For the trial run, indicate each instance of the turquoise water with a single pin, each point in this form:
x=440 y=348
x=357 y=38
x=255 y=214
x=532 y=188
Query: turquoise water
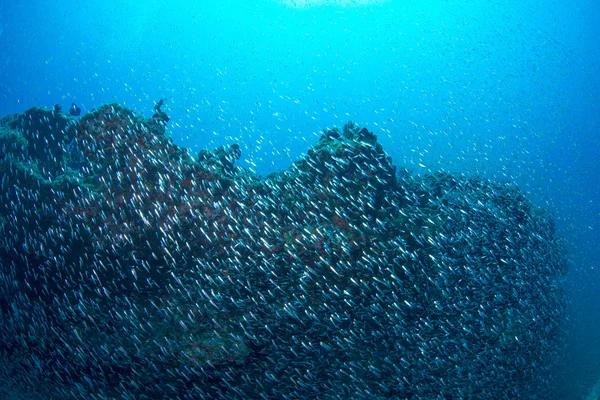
x=507 y=90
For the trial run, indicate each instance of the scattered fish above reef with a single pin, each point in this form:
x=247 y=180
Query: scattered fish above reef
x=129 y=269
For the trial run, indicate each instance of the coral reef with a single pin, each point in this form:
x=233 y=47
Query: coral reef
x=129 y=269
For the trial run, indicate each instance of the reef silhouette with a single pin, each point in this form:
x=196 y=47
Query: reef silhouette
x=130 y=269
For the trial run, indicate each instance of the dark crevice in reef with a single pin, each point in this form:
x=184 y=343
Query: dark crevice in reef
x=131 y=269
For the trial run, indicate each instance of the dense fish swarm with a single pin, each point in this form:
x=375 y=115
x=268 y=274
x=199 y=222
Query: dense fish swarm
x=131 y=270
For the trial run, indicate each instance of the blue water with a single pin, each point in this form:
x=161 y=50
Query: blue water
x=505 y=89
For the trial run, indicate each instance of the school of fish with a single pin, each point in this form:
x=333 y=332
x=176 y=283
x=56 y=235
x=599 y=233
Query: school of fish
x=131 y=270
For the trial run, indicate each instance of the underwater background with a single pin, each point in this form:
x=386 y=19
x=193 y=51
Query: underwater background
x=508 y=90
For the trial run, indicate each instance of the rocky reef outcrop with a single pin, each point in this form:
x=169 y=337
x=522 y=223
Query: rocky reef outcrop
x=131 y=269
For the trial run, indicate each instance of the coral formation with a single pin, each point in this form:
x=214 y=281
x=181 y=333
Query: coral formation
x=132 y=270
